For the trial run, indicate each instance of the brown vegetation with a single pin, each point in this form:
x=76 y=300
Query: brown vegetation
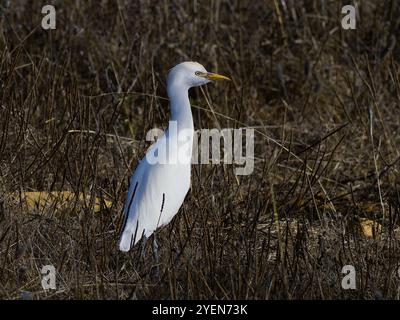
x=325 y=189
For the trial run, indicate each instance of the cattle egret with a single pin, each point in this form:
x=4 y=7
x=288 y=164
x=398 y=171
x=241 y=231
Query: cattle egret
x=158 y=188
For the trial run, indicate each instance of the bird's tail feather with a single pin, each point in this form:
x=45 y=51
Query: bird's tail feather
x=127 y=240
x=129 y=236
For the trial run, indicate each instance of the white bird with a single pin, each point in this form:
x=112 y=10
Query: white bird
x=158 y=188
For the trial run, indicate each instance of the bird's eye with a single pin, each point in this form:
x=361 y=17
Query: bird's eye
x=198 y=73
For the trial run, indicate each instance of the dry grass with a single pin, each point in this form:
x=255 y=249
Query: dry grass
x=325 y=103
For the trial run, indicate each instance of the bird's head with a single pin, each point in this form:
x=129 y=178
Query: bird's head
x=192 y=74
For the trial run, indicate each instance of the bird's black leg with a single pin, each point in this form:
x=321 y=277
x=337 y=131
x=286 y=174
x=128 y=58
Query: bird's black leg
x=155 y=245
x=155 y=254
x=143 y=247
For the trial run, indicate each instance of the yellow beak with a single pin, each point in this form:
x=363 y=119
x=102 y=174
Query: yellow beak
x=215 y=76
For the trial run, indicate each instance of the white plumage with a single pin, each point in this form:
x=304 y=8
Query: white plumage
x=158 y=189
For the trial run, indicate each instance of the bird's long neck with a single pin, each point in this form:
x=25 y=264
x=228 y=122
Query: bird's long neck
x=180 y=106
